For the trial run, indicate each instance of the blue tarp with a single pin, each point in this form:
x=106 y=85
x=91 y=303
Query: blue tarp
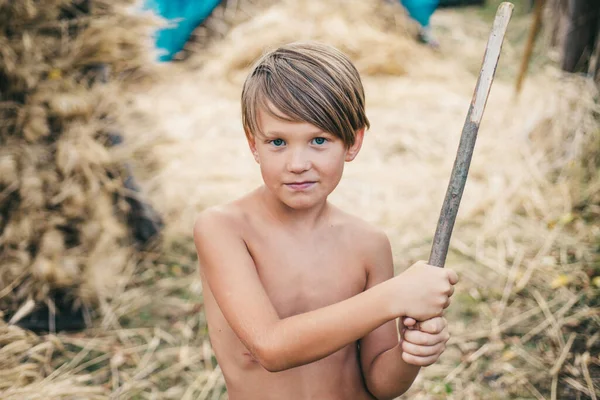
x=420 y=10
x=183 y=16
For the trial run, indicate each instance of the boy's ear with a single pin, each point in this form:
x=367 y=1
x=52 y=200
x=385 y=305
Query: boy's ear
x=252 y=144
x=353 y=150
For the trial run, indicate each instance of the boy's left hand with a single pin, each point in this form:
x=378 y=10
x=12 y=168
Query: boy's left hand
x=423 y=342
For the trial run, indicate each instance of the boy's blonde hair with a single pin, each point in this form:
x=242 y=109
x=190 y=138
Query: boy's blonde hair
x=307 y=82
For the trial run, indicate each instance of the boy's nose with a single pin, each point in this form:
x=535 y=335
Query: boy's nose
x=298 y=162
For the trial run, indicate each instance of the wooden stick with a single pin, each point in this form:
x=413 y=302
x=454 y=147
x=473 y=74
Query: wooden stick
x=533 y=32
x=460 y=170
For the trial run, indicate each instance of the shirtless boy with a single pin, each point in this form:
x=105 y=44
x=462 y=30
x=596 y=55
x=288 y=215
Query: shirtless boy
x=300 y=297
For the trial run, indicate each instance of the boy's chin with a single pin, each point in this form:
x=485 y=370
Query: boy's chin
x=303 y=203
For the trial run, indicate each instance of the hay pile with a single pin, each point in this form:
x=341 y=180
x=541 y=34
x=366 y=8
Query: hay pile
x=59 y=225
x=375 y=34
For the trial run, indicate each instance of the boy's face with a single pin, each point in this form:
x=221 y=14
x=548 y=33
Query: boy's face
x=300 y=164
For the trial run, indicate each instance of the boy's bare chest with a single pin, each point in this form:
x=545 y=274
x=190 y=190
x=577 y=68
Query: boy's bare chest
x=305 y=273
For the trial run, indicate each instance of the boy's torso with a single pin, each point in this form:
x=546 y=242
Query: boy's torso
x=300 y=273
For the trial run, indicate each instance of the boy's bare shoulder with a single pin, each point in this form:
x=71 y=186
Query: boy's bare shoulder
x=230 y=216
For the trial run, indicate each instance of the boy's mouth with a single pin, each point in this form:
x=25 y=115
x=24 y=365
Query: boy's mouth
x=300 y=185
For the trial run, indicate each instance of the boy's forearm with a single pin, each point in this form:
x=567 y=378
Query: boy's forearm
x=313 y=335
x=389 y=375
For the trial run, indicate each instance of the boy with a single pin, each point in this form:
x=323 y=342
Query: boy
x=300 y=297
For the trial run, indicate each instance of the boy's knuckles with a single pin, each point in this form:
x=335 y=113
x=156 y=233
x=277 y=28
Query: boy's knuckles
x=442 y=300
x=452 y=276
x=432 y=326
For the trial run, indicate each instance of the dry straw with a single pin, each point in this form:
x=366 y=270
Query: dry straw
x=525 y=318
x=60 y=227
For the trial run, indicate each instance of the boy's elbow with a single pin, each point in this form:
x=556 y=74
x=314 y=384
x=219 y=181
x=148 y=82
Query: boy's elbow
x=380 y=395
x=271 y=357
x=387 y=396
x=271 y=365
x=383 y=390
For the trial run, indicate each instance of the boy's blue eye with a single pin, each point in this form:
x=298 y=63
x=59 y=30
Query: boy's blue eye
x=278 y=142
x=319 y=140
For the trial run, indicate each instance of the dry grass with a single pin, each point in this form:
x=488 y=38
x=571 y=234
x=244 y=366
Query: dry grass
x=526 y=314
x=59 y=225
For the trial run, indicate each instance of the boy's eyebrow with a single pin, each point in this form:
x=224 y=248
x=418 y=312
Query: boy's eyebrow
x=277 y=133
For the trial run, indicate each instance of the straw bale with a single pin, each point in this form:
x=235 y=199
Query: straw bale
x=58 y=176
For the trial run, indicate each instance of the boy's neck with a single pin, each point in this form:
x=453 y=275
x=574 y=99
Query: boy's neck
x=304 y=219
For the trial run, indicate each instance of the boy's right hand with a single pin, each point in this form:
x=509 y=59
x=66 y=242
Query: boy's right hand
x=424 y=290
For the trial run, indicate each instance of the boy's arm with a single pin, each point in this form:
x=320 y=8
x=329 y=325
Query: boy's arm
x=279 y=344
x=386 y=374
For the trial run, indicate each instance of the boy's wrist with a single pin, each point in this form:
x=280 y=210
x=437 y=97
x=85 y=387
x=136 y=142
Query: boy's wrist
x=393 y=307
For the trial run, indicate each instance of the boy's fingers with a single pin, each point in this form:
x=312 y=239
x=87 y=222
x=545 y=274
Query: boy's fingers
x=409 y=321
x=452 y=277
x=423 y=351
x=433 y=325
x=425 y=339
x=419 y=361
x=447 y=303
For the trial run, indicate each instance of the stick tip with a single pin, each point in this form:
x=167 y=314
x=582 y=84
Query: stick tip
x=505 y=10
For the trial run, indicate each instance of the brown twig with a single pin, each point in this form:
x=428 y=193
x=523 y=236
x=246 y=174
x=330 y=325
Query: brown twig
x=533 y=32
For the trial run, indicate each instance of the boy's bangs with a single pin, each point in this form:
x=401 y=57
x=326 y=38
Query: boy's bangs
x=296 y=101
x=282 y=105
